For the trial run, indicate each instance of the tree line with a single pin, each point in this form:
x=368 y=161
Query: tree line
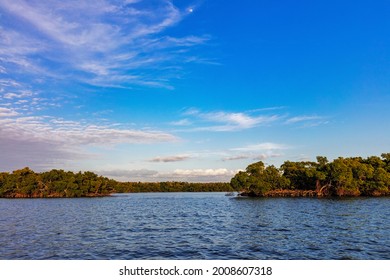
x=172 y=186
x=353 y=176
x=25 y=183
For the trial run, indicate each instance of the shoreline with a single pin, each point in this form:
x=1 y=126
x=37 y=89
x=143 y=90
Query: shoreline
x=307 y=193
x=280 y=193
x=23 y=196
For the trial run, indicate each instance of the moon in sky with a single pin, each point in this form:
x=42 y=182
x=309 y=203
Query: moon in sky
x=190 y=10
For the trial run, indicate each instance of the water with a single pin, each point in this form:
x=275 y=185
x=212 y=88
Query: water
x=194 y=226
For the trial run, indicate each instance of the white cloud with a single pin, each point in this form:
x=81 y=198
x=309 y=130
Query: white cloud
x=9 y=83
x=260 y=151
x=308 y=121
x=104 y=42
x=202 y=172
x=302 y=119
x=45 y=141
x=267 y=156
x=129 y=174
x=227 y=121
x=202 y=175
x=267 y=146
x=22 y=94
x=183 y=122
x=170 y=158
x=73 y=133
x=5 y=112
x=252 y=156
x=240 y=120
x=18 y=153
x=185 y=175
x=237 y=157
x=220 y=121
x=277 y=108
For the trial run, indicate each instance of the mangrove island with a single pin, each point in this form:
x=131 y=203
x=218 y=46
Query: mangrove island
x=354 y=176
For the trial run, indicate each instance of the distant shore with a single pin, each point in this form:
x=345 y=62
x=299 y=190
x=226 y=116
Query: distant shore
x=25 y=183
x=33 y=196
x=271 y=194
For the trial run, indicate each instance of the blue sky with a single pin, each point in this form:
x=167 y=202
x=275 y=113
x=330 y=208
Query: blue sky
x=191 y=90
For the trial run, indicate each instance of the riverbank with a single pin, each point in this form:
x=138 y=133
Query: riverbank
x=310 y=193
x=52 y=195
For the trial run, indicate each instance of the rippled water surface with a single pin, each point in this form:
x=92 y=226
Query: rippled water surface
x=194 y=226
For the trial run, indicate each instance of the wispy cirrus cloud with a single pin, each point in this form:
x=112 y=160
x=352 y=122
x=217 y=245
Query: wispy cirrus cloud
x=260 y=151
x=99 y=42
x=307 y=120
x=182 y=122
x=49 y=47
x=194 y=119
x=266 y=146
x=221 y=121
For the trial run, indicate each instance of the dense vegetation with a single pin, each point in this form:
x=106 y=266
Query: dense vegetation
x=353 y=176
x=25 y=183
x=54 y=183
x=172 y=187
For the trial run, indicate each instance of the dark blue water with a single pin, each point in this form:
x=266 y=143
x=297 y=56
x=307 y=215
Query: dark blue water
x=194 y=226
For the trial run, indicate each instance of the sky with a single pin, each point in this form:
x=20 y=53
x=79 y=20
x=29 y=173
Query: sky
x=157 y=90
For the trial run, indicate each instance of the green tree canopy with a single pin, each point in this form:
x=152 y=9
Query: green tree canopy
x=342 y=177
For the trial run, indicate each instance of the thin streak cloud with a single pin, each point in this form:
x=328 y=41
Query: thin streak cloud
x=221 y=121
x=262 y=147
x=298 y=119
x=171 y=158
